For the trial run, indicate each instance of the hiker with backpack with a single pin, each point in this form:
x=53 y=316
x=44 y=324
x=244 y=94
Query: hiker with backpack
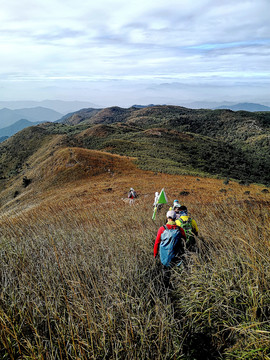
x=131 y=195
x=190 y=227
x=169 y=244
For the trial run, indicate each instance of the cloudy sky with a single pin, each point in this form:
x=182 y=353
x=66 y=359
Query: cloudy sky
x=119 y=52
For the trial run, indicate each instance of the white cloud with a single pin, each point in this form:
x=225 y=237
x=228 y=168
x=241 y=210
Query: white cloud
x=90 y=44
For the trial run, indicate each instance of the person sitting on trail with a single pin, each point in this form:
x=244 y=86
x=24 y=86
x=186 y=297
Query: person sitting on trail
x=169 y=244
x=190 y=227
x=132 y=195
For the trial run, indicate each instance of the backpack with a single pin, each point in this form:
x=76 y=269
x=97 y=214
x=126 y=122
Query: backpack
x=131 y=194
x=187 y=226
x=171 y=246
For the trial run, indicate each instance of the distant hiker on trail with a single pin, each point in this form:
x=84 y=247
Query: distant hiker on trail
x=175 y=203
x=176 y=208
x=132 y=195
x=170 y=245
x=190 y=227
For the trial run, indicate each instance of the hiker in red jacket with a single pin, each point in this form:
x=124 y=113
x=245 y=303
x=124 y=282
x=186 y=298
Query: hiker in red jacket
x=171 y=215
x=170 y=245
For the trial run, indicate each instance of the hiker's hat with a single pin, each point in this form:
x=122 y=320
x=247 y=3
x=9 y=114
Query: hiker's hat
x=176 y=201
x=131 y=189
x=171 y=214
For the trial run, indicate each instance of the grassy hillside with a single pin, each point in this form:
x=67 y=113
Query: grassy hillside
x=15 y=151
x=167 y=139
x=78 y=277
x=234 y=144
x=225 y=124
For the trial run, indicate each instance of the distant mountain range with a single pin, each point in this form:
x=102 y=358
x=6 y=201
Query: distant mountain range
x=14 y=128
x=36 y=114
x=246 y=107
x=12 y=121
x=60 y=106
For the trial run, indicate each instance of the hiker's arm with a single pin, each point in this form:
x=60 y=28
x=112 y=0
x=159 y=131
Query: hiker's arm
x=157 y=242
x=183 y=233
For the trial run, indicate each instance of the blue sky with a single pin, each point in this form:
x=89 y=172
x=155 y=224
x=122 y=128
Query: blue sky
x=125 y=52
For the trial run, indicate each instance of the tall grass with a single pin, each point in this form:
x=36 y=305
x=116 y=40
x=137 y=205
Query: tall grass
x=81 y=283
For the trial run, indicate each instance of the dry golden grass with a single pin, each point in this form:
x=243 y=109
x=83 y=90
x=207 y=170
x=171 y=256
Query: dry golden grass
x=78 y=278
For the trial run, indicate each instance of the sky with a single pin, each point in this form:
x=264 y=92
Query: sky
x=119 y=52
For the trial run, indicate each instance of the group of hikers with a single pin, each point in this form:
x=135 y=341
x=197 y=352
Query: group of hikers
x=175 y=239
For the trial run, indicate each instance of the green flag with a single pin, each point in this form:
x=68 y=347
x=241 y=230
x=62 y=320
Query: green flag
x=160 y=198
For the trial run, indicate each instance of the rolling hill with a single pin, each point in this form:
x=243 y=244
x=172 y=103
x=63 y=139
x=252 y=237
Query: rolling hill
x=162 y=139
x=221 y=139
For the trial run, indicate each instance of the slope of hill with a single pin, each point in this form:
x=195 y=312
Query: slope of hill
x=220 y=124
x=228 y=137
x=16 y=150
x=76 y=117
x=98 y=116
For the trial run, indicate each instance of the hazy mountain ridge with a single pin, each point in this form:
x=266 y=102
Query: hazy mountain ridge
x=60 y=106
x=15 y=127
x=246 y=107
x=37 y=114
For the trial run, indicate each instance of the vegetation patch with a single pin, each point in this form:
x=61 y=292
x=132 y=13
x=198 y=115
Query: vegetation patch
x=75 y=284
